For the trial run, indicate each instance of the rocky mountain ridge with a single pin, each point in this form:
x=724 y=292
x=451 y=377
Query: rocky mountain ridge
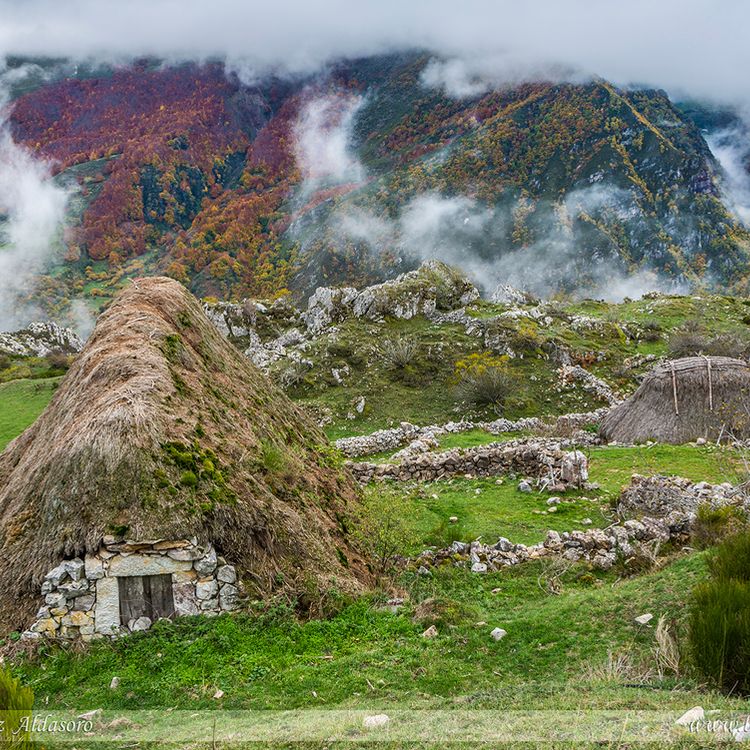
x=185 y=170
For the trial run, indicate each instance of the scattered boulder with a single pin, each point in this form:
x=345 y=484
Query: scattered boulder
x=378 y=720
x=498 y=634
x=692 y=715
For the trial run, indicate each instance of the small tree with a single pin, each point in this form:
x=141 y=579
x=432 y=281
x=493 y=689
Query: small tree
x=382 y=532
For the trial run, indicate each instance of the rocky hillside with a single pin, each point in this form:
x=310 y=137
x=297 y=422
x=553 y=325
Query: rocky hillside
x=236 y=190
x=403 y=350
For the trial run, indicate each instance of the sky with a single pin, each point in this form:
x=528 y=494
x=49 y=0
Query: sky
x=689 y=47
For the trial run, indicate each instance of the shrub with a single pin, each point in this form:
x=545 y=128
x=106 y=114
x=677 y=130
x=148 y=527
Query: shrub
x=484 y=380
x=16 y=703
x=711 y=525
x=728 y=345
x=687 y=344
x=398 y=353
x=720 y=633
x=651 y=331
x=58 y=361
x=4 y=362
x=293 y=374
x=526 y=338
x=691 y=339
x=382 y=534
x=730 y=561
x=720 y=617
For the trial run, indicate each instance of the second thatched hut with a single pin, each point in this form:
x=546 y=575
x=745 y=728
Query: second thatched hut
x=683 y=400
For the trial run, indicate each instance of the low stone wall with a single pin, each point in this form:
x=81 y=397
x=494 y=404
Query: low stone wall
x=544 y=460
x=599 y=547
x=395 y=437
x=82 y=598
x=671 y=504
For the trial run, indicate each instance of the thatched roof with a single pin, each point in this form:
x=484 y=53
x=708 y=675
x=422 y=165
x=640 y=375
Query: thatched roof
x=163 y=430
x=685 y=399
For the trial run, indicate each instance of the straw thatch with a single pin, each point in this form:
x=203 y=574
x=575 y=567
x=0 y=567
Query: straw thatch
x=163 y=430
x=683 y=400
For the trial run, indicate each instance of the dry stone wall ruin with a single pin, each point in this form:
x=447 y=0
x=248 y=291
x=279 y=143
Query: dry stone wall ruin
x=543 y=460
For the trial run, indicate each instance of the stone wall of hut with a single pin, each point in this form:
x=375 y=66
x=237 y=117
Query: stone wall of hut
x=81 y=597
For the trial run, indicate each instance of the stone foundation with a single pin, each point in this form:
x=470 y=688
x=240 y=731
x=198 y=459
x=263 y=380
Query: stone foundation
x=660 y=495
x=82 y=597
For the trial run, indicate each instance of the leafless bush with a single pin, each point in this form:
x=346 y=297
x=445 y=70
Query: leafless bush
x=58 y=360
x=666 y=650
x=293 y=374
x=553 y=570
x=691 y=339
x=645 y=557
x=728 y=345
x=687 y=344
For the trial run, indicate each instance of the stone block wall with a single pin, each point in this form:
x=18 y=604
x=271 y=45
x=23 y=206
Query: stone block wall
x=81 y=598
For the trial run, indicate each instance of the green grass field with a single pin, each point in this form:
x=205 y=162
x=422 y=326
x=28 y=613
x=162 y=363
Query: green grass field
x=21 y=402
x=576 y=650
x=557 y=649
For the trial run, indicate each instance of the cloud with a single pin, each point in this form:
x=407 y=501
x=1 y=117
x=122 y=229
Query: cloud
x=731 y=147
x=471 y=75
x=322 y=142
x=33 y=207
x=696 y=46
x=474 y=237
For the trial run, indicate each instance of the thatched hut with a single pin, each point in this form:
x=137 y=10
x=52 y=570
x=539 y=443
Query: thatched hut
x=684 y=400
x=166 y=474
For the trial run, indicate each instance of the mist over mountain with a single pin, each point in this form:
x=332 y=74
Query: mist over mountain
x=246 y=157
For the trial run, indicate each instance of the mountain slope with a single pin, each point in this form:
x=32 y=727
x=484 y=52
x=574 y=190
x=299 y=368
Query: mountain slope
x=188 y=171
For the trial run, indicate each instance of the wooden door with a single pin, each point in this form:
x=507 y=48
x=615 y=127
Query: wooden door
x=145 y=596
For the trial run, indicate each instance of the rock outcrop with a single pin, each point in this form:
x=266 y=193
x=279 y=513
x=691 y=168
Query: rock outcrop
x=433 y=286
x=40 y=339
